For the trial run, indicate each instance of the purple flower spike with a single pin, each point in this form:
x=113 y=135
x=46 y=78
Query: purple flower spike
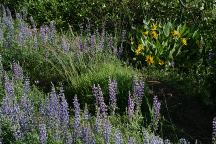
x=86 y=135
x=214 y=130
x=131 y=140
x=156 y=112
x=138 y=89
x=52 y=31
x=54 y=104
x=98 y=122
x=130 y=107
x=93 y=40
x=107 y=129
x=76 y=117
x=26 y=86
x=118 y=137
x=103 y=107
x=97 y=92
x=112 y=94
x=43 y=34
x=42 y=134
x=64 y=115
x=65 y=45
x=18 y=71
x=8 y=86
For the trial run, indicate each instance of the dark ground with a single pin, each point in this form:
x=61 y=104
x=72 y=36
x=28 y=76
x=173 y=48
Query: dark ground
x=185 y=115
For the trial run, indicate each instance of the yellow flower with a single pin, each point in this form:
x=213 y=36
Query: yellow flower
x=139 y=49
x=175 y=33
x=149 y=59
x=154 y=34
x=161 y=62
x=145 y=33
x=154 y=27
x=184 y=41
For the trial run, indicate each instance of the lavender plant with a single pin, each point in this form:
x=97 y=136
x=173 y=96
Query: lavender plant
x=112 y=95
x=156 y=112
x=214 y=130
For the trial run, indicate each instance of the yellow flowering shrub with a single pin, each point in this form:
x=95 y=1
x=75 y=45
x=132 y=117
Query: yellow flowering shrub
x=163 y=43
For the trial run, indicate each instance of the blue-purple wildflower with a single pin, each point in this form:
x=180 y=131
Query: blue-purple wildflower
x=69 y=139
x=8 y=86
x=112 y=95
x=43 y=34
x=214 y=130
x=102 y=105
x=138 y=89
x=42 y=134
x=118 y=137
x=130 y=107
x=18 y=71
x=131 y=140
x=107 y=130
x=156 y=112
x=86 y=135
x=64 y=115
x=76 y=117
x=93 y=41
x=65 y=45
x=97 y=121
x=51 y=32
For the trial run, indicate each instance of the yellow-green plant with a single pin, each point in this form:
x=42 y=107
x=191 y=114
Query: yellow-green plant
x=161 y=44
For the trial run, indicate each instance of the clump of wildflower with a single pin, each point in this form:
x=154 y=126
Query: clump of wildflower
x=52 y=31
x=27 y=107
x=93 y=40
x=53 y=110
x=112 y=94
x=43 y=34
x=76 y=117
x=154 y=27
x=65 y=45
x=64 y=115
x=18 y=71
x=8 y=86
x=156 y=112
x=214 y=130
x=154 y=34
x=97 y=92
x=130 y=106
x=176 y=34
x=42 y=134
x=107 y=129
x=184 y=41
x=118 y=137
x=139 y=49
x=138 y=90
x=149 y=59
x=86 y=134
x=97 y=121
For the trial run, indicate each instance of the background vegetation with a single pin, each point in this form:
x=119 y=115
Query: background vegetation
x=168 y=45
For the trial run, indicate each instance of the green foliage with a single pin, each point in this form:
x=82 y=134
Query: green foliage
x=163 y=44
